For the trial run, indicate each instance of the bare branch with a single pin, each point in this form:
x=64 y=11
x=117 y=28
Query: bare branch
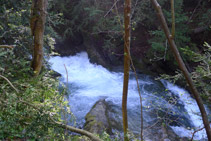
x=76 y=130
x=195 y=9
x=7 y=46
x=9 y=83
x=59 y=124
x=111 y=8
x=196 y=132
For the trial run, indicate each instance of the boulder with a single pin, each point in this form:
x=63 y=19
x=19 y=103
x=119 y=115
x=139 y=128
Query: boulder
x=160 y=132
x=105 y=116
x=96 y=119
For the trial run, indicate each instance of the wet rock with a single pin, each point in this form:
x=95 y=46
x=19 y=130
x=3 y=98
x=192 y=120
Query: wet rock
x=96 y=119
x=71 y=45
x=160 y=132
x=93 y=45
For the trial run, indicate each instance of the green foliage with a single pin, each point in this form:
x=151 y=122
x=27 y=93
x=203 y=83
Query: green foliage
x=160 y=47
x=201 y=74
x=15 y=28
x=18 y=117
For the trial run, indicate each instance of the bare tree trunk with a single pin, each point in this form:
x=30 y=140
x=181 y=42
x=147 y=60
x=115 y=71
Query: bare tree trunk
x=183 y=68
x=37 y=24
x=127 y=17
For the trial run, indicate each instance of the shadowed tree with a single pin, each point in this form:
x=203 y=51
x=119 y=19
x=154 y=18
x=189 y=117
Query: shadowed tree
x=183 y=67
x=37 y=24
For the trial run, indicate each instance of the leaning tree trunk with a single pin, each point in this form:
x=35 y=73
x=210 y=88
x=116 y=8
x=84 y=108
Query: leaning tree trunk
x=127 y=17
x=183 y=68
x=37 y=24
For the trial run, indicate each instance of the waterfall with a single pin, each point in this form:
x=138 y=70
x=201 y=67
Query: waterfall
x=90 y=82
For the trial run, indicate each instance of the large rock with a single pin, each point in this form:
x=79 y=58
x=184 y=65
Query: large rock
x=96 y=119
x=105 y=116
x=160 y=132
x=95 y=51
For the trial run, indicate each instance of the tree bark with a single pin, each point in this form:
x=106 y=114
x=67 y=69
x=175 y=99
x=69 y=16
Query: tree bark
x=127 y=18
x=183 y=68
x=37 y=24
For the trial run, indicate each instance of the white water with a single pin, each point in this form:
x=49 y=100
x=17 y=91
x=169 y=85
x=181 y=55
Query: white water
x=89 y=83
x=193 y=111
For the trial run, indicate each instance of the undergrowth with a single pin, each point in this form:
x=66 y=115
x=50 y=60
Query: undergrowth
x=27 y=112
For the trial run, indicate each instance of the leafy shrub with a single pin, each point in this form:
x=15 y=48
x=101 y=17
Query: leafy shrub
x=28 y=112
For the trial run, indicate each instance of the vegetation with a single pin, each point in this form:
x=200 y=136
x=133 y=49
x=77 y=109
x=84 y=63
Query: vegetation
x=183 y=67
x=19 y=119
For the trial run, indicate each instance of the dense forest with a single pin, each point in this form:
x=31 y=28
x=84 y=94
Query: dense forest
x=153 y=47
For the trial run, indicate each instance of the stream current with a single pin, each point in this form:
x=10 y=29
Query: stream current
x=87 y=83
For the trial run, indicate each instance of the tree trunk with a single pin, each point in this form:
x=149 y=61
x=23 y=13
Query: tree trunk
x=127 y=17
x=183 y=68
x=37 y=24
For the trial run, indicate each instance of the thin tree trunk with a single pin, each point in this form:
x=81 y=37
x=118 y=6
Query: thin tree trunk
x=127 y=17
x=173 y=19
x=183 y=68
x=37 y=24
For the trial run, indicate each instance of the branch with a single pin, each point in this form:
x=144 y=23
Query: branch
x=59 y=124
x=197 y=6
x=134 y=8
x=183 y=67
x=196 y=132
x=70 y=128
x=76 y=130
x=111 y=8
x=7 y=46
x=9 y=83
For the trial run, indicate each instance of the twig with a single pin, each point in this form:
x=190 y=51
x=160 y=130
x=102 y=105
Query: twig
x=134 y=8
x=196 y=132
x=7 y=46
x=9 y=83
x=111 y=8
x=117 y=13
x=141 y=100
x=152 y=125
x=198 y=5
x=67 y=76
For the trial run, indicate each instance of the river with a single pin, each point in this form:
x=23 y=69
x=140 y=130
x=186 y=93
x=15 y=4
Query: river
x=89 y=82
